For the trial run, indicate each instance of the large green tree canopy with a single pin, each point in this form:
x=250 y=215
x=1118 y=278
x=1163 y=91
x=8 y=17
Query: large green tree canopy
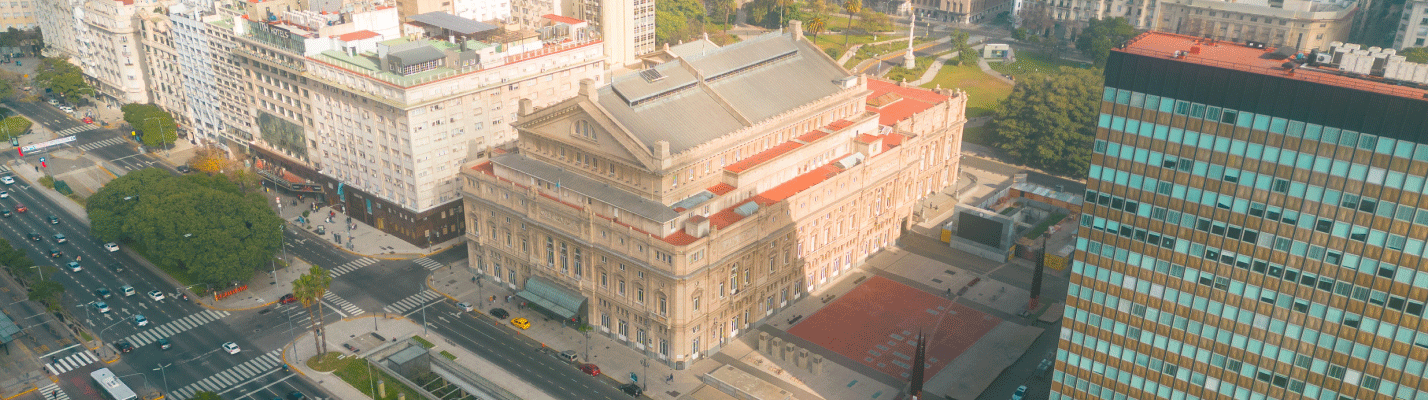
x=1101 y=35
x=203 y=225
x=63 y=78
x=1048 y=122
x=677 y=20
x=154 y=124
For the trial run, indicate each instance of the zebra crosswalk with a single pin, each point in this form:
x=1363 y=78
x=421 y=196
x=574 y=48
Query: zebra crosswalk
x=77 y=129
x=413 y=301
x=52 y=391
x=102 y=143
x=71 y=361
x=173 y=328
x=351 y=266
x=431 y=265
x=343 y=306
x=231 y=377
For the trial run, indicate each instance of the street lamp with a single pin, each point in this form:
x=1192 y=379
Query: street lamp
x=161 y=133
x=164 y=374
x=39 y=271
x=646 y=384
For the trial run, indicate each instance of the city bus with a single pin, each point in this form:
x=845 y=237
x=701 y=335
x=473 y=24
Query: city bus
x=111 y=386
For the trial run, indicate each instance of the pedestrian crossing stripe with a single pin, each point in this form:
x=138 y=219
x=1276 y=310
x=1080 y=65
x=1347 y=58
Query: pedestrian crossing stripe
x=173 y=328
x=431 y=265
x=71 y=362
x=351 y=266
x=52 y=391
x=413 y=301
x=343 y=306
x=102 y=143
x=231 y=377
x=76 y=129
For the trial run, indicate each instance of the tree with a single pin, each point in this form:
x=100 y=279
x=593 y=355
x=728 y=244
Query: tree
x=815 y=25
x=63 y=78
x=1101 y=35
x=205 y=226
x=677 y=20
x=1415 y=54
x=309 y=289
x=153 y=124
x=1048 y=122
x=205 y=395
x=851 y=7
x=48 y=293
x=966 y=54
x=874 y=21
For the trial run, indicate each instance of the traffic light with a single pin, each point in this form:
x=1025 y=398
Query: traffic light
x=42 y=163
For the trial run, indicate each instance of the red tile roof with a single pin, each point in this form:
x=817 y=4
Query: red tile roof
x=562 y=19
x=839 y=124
x=721 y=189
x=1242 y=58
x=798 y=184
x=866 y=138
x=725 y=217
x=679 y=238
x=914 y=100
x=358 y=35
x=762 y=157
x=812 y=136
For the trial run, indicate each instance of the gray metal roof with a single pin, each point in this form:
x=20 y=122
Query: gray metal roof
x=553 y=297
x=8 y=329
x=452 y=23
x=418 y=55
x=694 y=49
x=599 y=191
x=693 y=201
x=798 y=74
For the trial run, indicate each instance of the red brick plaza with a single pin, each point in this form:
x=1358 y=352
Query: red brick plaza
x=877 y=323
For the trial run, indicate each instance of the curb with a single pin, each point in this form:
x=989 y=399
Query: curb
x=32 y=388
x=284 y=357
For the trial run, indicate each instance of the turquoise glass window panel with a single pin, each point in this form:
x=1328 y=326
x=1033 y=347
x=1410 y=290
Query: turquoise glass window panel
x=1152 y=102
x=1183 y=136
x=1261 y=122
x=1166 y=105
x=1246 y=119
x=1161 y=131
x=1132 y=126
x=1277 y=125
x=1296 y=129
x=1118 y=124
x=1313 y=132
x=1385 y=146
x=1109 y=94
x=1137 y=99
x=1105 y=121
x=1123 y=97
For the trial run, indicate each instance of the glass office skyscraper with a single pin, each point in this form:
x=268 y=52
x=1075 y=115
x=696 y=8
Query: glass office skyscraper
x=1251 y=231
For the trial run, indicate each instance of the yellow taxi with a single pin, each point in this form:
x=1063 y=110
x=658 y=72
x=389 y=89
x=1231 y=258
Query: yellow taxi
x=521 y=323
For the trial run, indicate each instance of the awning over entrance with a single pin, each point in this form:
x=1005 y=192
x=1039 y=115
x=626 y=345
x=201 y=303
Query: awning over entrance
x=552 y=297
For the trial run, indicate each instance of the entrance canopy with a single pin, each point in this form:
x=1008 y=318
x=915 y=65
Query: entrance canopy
x=552 y=297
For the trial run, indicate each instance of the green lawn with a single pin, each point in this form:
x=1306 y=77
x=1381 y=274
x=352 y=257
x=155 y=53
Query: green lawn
x=898 y=73
x=356 y=373
x=835 y=41
x=870 y=51
x=1030 y=62
x=983 y=91
x=423 y=342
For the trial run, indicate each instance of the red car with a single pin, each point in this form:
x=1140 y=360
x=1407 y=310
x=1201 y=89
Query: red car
x=287 y=298
x=88 y=120
x=21 y=208
x=590 y=369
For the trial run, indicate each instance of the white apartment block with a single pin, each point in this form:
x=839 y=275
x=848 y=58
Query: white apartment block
x=217 y=109
x=482 y=10
x=161 y=64
x=1413 y=28
x=383 y=121
x=627 y=26
x=109 y=50
x=1139 y=13
x=59 y=22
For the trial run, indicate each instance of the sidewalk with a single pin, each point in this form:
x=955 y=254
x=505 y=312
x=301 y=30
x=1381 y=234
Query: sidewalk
x=355 y=237
x=393 y=328
x=263 y=288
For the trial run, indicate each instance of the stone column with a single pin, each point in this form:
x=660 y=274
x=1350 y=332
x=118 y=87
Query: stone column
x=801 y=360
x=787 y=351
x=816 y=365
x=764 y=342
x=775 y=347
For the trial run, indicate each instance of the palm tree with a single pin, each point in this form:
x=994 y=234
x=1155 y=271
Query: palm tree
x=815 y=24
x=309 y=289
x=852 y=7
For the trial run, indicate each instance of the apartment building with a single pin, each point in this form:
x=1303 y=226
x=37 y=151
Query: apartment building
x=1294 y=24
x=673 y=208
x=383 y=121
x=161 y=64
x=217 y=107
x=1252 y=229
x=20 y=14
x=963 y=11
x=1413 y=28
x=59 y=23
x=626 y=26
x=110 y=52
x=479 y=10
x=1139 y=13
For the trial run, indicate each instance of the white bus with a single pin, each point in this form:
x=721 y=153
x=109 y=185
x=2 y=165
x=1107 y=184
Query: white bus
x=111 y=386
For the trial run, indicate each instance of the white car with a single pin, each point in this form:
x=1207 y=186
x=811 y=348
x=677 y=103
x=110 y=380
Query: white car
x=102 y=307
x=464 y=306
x=231 y=348
x=8 y=180
x=140 y=320
x=111 y=246
x=1020 y=393
x=4 y=194
x=156 y=295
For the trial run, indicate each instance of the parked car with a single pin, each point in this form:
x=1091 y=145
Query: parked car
x=88 y=120
x=591 y=369
x=632 y=389
x=183 y=169
x=464 y=306
x=521 y=323
x=567 y=356
x=500 y=313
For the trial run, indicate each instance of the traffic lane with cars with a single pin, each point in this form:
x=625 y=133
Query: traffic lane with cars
x=95 y=261
x=124 y=154
x=484 y=337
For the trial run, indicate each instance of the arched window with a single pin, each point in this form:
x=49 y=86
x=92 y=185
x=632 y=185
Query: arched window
x=585 y=129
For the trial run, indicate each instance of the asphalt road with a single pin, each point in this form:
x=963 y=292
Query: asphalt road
x=123 y=153
x=496 y=344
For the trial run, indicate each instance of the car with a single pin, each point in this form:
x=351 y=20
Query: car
x=127 y=290
x=6 y=213
x=8 y=180
x=140 y=320
x=521 y=323
x=464 y=306
x=567 y=356
x=56 y=253
x=632 y=389
x=500 y=313
x=74 y=266
x=591 y=369
x=1020 y=393
x=124 y=346
x=102 y=293
x=156 y=295
x=164 y=344
x=101 y=306
x=35 y=236
x=20 y=208
x=296 y=396
x=59 y=238
x=184 y=169
x=116 y=267
x=54 y=220
x=4 y=194
x=287 y=298
x=231 y=348
x=111 y=246
x=88 y=120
